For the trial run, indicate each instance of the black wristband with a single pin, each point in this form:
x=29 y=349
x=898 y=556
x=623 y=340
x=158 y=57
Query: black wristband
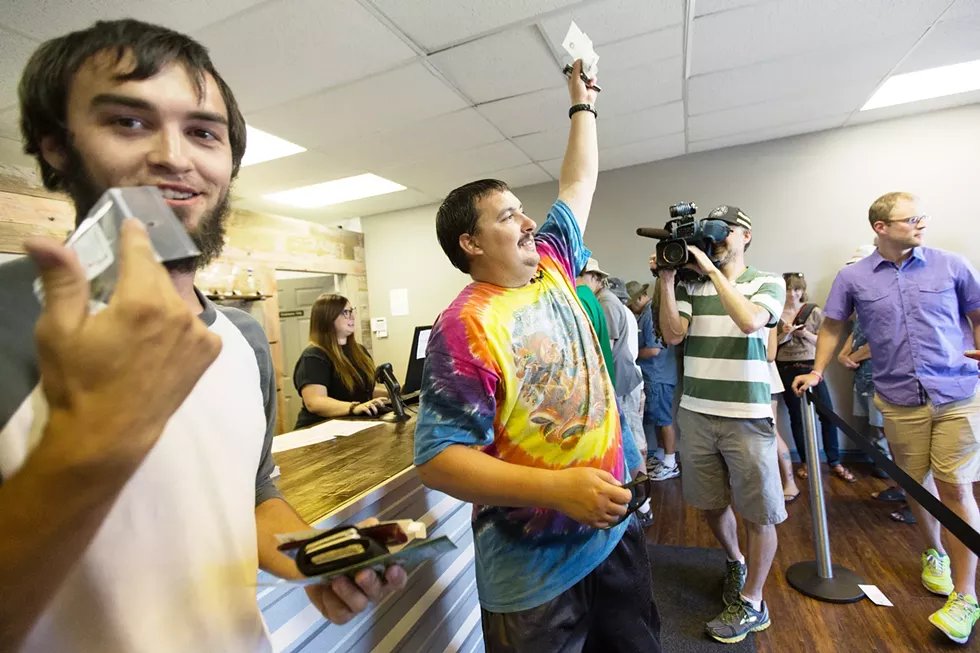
x=582 y=107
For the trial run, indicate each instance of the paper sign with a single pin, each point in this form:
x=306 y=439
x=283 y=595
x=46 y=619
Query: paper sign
x=876 y=595
x=323 y=432
x=399 y=301
x=423 y=343
x=579 y=46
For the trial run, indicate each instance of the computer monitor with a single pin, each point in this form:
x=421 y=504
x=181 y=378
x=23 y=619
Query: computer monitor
x=416 y=360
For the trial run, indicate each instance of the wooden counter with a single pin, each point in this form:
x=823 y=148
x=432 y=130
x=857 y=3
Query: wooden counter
x=320 y=479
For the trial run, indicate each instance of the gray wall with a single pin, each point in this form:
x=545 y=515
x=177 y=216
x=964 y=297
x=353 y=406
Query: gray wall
x=808 y=197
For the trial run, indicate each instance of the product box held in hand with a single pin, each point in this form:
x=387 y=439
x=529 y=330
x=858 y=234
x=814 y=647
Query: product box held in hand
x=343 y=551
x=96 y=240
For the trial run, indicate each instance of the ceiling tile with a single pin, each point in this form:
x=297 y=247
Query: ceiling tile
x=777 y=29
x=963 y=9
x=303 y=169
x=949 y=42
x=638 y=88
x=638 y=50
x=45 y=19
x=374 y=104
x=768 y=134
x=654 y=149
x=705 y=7
x=529 y=113
x=12 y=153
x=15 y=50
x=503 y=65
x=441 y=175
x=812 y=72
x=297 y=47
x=368 y=206
x=615 y=131
x=614 y=20
x=435 y=24
x=419 y=141
x=784 y=111
x=10 y=123
x=552 y=166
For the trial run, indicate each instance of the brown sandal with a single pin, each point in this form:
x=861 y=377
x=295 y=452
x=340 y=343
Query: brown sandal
x=843 y=474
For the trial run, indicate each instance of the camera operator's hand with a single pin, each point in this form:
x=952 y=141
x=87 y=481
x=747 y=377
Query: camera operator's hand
x=578 y=91
x=702 y=264
x=667 y=274
x=590 y=496
x=804 y=382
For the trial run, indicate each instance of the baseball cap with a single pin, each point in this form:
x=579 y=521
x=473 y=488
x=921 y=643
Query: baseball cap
x=637 y=289
x=731 y=215
x=618 y=287
x=593 y=266
x=862 y=252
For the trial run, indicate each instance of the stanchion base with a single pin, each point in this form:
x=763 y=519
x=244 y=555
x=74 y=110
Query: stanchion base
x=842 y=588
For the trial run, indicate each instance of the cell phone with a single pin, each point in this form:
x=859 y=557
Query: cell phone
x=585 y=78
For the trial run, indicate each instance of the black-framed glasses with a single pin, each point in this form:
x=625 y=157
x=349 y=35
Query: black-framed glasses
x=348 y=312
x=912 y=221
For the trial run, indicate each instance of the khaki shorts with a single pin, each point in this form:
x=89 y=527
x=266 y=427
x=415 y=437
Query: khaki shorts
x=730 y=461
x=943 y=439
x=634 y=419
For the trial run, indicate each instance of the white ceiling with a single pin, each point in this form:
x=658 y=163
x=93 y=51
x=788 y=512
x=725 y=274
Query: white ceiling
x=434 y=93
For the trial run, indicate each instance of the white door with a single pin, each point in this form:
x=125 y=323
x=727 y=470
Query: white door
x=296 y=297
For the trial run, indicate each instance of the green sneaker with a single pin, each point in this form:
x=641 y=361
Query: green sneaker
x=935 y=573
x=735 y=573
x=737 y=621
x=957 y=617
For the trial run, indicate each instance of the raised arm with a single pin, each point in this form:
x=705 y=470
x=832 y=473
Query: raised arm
x=580 y=167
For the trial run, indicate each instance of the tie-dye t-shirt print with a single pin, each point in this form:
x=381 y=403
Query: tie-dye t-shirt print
x=517 y=373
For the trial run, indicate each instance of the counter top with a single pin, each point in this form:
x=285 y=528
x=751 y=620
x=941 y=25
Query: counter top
x=319 y=479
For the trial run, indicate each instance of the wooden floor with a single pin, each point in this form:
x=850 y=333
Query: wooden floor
x=864 y=539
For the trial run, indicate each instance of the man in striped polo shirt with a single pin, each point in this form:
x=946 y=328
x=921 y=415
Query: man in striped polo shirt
x=728 y=443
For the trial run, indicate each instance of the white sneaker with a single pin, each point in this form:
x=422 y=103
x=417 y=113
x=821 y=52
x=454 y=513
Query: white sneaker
x=658 y=471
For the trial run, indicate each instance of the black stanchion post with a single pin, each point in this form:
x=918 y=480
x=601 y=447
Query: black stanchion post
x=821 y=579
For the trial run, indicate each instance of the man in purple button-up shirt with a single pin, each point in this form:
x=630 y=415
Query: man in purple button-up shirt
x=920 y=309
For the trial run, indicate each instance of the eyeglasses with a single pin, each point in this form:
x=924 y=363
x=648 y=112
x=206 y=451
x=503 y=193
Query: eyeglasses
x=914 y=220
x=348 y=312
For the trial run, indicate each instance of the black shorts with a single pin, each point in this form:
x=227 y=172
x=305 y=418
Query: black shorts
x=609 y=611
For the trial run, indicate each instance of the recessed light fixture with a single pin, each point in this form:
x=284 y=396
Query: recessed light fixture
x=926 y=84
x=262 y=146
x=335 y=192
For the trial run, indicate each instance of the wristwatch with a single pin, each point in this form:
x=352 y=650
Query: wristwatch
x=582 y=107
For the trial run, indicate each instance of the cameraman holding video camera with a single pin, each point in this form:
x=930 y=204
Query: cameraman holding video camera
x=728 y=441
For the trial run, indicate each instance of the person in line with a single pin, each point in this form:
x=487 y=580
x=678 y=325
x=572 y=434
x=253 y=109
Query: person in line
x=335 y=374
x=588 y=285
x=658 y=362
x=790 y=490
x=518 y=416
x=797 y=329
x=729 y=446
x=136 y=503
x=628 y=380
x=919 y=307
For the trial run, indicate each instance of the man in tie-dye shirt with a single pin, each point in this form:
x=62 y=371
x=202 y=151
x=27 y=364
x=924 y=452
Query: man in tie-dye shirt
x=518 y=416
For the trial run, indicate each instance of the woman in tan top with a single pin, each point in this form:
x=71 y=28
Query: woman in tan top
x=797 y=333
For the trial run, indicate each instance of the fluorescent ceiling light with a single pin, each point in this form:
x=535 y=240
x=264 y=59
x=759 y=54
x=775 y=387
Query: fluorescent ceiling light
x=261 y=146
x=926 y=84
x=335 y=192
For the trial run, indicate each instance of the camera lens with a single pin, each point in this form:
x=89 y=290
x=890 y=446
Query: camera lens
x=683 y=209
x=674 y=253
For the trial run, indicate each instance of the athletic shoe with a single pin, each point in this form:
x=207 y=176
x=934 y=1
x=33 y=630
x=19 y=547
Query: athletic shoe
x=658 y=471
x=957 y=617
x=738 y=620
x=735 y=573
x=935 y=573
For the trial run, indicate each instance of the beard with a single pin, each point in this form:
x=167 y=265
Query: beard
x=208 y=236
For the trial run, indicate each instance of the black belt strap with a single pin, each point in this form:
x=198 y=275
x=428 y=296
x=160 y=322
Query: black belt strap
x=949 y=519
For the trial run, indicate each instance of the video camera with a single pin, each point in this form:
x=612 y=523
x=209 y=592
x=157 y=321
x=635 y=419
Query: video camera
x=682 y=231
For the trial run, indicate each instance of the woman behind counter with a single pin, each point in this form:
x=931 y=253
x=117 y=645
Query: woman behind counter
x=335 y=375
